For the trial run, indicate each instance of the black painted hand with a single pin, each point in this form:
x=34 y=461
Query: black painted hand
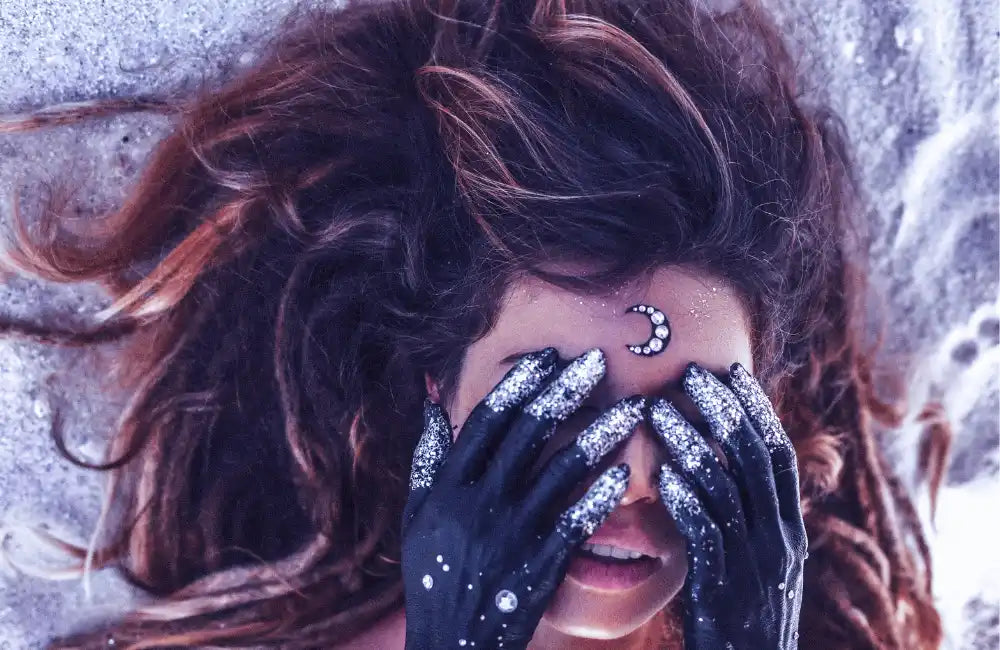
x=746 y=540
x=482 y=551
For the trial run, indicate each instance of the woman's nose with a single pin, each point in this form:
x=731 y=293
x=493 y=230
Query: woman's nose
x=644 y=455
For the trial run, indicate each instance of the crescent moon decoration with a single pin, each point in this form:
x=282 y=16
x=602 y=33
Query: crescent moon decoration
x=660 y=335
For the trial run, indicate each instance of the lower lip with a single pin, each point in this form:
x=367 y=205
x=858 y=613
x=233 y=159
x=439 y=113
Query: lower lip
x=590 y=571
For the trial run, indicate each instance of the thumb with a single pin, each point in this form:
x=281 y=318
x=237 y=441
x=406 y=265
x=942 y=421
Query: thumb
x=428 y=456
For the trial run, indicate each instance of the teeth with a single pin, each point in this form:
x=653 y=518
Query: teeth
x=611 y=551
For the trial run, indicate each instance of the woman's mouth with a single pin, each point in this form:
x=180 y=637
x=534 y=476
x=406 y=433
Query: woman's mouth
x=610 y=568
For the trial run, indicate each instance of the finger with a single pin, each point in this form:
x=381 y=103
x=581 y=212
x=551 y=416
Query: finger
x=706 y=557
x=491 y=417
x=564 y=471
x=428 y=456
x=748 y=459
x=578 y=522
x=543 y=573
x=531 y=589
x=783 y=460
x=536 y=424
x=697 y=464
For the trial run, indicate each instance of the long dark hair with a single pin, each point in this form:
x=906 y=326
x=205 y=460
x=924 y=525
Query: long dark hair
x=319 y=232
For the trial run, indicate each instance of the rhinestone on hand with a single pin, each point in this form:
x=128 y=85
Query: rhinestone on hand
x=506 y=601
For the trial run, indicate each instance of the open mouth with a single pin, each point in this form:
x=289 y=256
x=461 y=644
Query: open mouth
x=611 y=554
x=609 y=568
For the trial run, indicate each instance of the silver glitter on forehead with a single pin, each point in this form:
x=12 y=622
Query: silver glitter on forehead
x=683 y=441
x=570 y=388
x=522 y=380
x=758 y=407
x=431 y=449
x=587 y=514
x=678 y=497
x=716 y=402
x=613 y=426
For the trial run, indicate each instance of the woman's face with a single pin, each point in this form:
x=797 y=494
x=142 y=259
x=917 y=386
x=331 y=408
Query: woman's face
x=708 y=326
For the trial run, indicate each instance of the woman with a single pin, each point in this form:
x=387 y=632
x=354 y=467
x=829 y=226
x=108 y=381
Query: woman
x=408 y=202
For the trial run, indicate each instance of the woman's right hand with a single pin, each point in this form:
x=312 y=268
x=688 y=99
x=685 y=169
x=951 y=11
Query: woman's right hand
x=481 y=557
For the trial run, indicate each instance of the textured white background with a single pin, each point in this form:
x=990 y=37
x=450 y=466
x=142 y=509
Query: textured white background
x=916 y=82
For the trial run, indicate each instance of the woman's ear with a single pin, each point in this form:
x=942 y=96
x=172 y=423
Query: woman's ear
x=432 y=388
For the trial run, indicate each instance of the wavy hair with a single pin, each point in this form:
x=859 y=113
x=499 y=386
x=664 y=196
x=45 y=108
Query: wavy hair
x=321 y=230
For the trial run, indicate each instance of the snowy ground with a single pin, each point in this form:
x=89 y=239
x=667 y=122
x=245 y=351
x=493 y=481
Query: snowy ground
x=916 y=82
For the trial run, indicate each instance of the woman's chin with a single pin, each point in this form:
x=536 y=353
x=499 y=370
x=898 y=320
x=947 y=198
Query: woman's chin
x=590 y=630
x=579 y=611
x=570 y=615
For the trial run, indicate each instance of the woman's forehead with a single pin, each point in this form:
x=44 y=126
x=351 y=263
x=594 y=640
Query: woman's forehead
x=697 y=309
x=708 y=325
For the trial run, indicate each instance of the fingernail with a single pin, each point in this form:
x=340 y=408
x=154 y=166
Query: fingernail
x=759 y=407
x=432 y=448
x=570 y=388
x=610 y=428
x=680 y=499
x=587 y=514
x=682 y=440
x=716 y=402
x=522 y=380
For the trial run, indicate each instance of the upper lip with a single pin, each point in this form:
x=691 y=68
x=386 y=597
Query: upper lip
x=630 y=539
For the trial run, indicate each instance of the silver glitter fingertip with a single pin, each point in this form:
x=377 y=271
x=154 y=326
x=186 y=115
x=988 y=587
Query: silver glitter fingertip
x=688 y=449
x=715 y=400
x=432 y=448
x=587 y=514
x=758 y=406
x=522 y=380
x=679 y=498
x=610 y=428
x=568 y=390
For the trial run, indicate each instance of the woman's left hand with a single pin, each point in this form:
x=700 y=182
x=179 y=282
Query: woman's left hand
x=746 y=539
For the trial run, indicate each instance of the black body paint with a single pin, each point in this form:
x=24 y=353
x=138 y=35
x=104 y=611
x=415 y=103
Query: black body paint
x=746 y=539
x=480 y=560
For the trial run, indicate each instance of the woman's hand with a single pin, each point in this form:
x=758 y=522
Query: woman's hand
x=481 y=554
x=746 y=540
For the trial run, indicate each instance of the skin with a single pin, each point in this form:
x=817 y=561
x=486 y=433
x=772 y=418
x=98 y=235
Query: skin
x=709 y=326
